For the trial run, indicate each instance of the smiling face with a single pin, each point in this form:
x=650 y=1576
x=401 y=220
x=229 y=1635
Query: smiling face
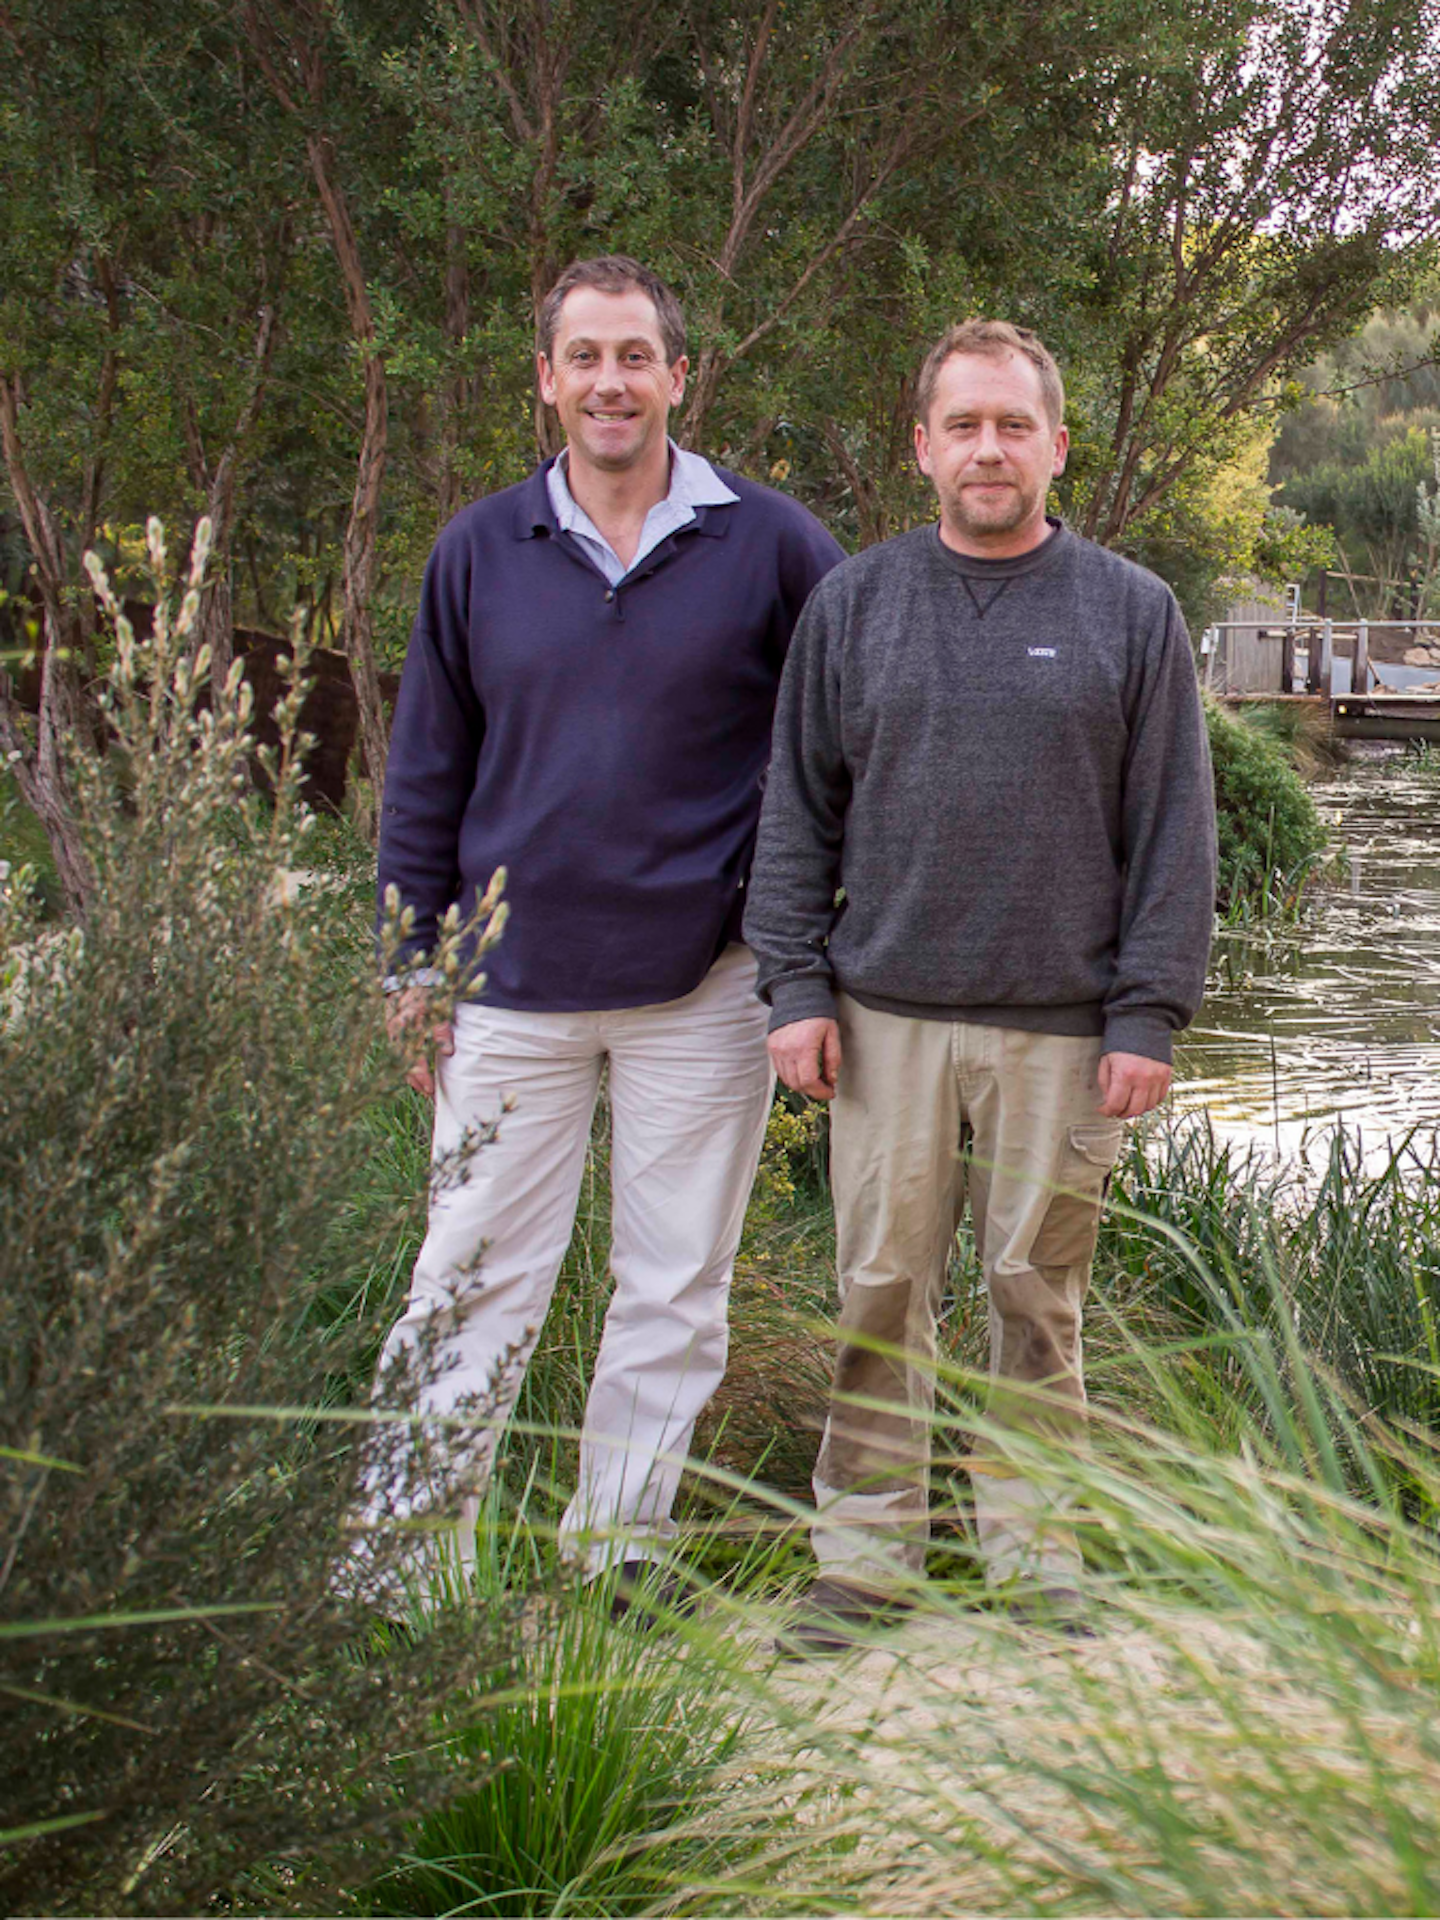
x=990 y=451
x=608 y=379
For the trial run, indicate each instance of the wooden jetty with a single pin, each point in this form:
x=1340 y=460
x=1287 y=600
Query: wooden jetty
x=1330 y=662
x=1386 y=716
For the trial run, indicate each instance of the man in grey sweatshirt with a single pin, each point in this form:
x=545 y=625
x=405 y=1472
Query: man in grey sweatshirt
x=981 y=903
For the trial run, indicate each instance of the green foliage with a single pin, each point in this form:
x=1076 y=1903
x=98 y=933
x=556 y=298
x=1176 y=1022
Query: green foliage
x=1371 y=503
x=1345 y=1255
x=1270 y=834
x=25 y=858
x=610 y=1747
x=1355 y=452
x=796 y=1150
x=1251 y=1732
x=186 y=1103
x=827 y=190
x=1288 y=547
x=1302 y=730
x=1348 y=402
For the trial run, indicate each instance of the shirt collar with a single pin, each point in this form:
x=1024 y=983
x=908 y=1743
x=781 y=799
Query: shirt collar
x=697 y=481
x=693 y=483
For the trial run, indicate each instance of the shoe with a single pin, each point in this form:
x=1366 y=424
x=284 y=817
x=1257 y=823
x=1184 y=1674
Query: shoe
x=649 y=1595
x=1051 y=1609
x=835 y=1616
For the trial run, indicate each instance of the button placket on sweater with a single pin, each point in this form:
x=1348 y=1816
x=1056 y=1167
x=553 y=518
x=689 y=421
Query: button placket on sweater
x=612 y=596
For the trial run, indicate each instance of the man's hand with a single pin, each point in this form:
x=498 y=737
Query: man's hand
x=408 y=1013
x=806 y=1055
x=1131 y=1085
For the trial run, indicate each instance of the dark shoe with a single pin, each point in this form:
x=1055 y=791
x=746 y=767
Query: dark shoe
x=649 y=1595
x=834 y=1616
x=1051 y=1609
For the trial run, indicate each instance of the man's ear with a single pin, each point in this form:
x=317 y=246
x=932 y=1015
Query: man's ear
x=1062 y=448
x=678 y=370
x=922 y=447
x=545 y=379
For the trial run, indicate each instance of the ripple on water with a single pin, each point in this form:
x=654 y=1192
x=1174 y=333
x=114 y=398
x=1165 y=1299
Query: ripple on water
x=1337 y=1020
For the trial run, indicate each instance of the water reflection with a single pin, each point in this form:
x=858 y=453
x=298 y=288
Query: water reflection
x=1338 y=1019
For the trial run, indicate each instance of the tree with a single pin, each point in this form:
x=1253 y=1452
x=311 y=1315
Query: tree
x=1272 y=176
x=143 y=245
x=297 y=51
x=64 y=269
x=285 y=267
x=1378 y=508
x=1358 y=456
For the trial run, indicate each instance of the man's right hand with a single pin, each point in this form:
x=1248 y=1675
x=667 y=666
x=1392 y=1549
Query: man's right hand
x=806 y=1055
x=408 y=1013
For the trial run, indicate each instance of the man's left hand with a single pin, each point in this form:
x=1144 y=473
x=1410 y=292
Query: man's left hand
x=1131 y=1085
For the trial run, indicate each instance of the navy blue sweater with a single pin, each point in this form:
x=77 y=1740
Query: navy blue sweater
x=607 y=746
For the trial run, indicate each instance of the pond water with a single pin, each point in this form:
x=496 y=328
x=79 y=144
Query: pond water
x=1337 y=1019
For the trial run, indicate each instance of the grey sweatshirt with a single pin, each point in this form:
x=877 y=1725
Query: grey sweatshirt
x=1003 y=765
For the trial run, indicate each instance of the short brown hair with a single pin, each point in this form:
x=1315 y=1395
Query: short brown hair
x=991 y=339
x=613 y=273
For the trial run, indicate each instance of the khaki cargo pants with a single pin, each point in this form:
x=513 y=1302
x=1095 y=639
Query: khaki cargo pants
x=926 y=1112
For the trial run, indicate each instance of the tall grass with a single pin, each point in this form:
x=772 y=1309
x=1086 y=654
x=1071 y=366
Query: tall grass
x=1303 y=730
x=598 y=1754
x=1348 y=1253
x=1252 y=1727
x=603 y=1756
x=1251 y=1730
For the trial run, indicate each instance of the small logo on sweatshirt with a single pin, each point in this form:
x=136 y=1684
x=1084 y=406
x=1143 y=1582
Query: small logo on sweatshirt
x=1043 y=653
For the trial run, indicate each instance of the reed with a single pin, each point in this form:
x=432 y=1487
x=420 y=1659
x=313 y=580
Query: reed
x=599 y=1754
x=1250 y=1730
x=1212 y=1235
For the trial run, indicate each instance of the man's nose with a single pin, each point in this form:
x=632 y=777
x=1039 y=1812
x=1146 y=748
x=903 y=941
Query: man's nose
x=611 y=377
x=987 y=443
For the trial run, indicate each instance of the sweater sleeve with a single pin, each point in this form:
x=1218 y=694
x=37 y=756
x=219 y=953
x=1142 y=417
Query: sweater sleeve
x=1168 y=908
x=802 y=827
x=430 y=775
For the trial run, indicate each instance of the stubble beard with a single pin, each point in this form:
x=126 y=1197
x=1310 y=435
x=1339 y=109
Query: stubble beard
x=1004 y=516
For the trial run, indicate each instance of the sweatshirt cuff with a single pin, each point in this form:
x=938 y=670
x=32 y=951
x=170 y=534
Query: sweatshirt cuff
x=1138 y=1033
x=808 y=998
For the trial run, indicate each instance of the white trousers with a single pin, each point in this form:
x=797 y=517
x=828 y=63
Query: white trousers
x=690 y=1090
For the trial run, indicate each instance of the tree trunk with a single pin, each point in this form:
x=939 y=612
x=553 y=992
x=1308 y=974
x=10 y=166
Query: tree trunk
x=215 y=627
x=39 y=767
x=356 y=629
x=457 y=396
x=363 y=527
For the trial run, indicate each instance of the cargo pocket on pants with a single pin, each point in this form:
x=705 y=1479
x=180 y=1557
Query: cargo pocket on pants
x=1071 y=1225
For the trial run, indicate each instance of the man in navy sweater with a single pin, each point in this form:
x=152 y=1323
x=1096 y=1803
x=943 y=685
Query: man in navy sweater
x=587 y=701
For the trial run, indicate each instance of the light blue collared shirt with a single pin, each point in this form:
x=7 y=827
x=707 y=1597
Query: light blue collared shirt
x=693 y=483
